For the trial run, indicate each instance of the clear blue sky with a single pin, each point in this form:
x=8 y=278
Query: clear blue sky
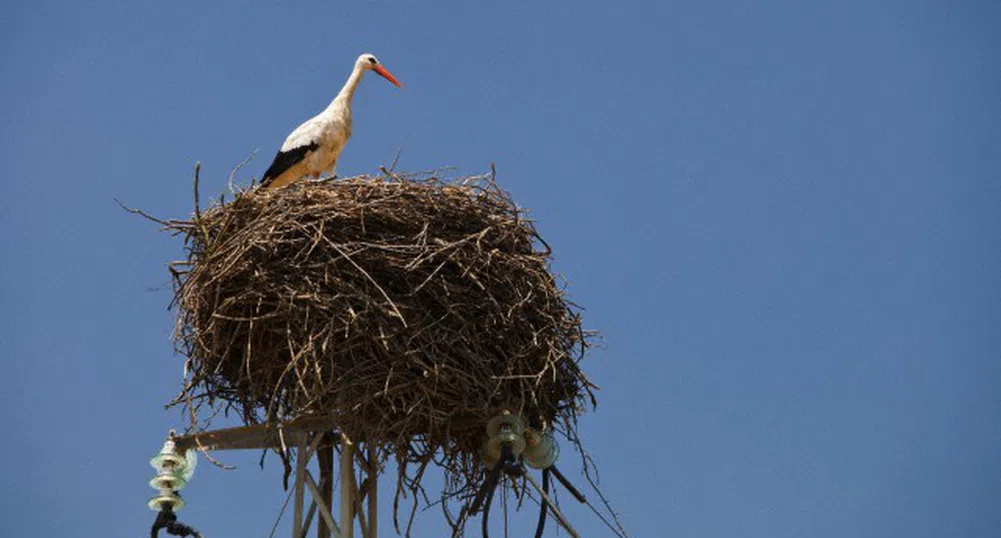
x=783 y=216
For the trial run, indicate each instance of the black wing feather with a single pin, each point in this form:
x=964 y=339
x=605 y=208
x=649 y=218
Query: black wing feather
x=287 y=159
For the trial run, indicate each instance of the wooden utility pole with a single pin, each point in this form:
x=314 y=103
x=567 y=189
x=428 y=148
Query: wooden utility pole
x=325 y=458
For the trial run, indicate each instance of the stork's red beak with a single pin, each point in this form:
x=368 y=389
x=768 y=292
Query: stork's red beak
x=386 y=74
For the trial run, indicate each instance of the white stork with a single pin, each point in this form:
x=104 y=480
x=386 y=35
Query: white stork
x=313 y=147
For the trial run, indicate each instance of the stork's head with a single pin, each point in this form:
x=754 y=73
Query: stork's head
x=370 y=62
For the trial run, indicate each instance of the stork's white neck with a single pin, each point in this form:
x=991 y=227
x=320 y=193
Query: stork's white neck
x=348 y=91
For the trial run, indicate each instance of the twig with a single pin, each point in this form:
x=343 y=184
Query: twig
x=566 y=483
x=232 y=174
x=560 y=518
x=396 y=159
x=141 y=213
x=198 y=211
x=370 y=279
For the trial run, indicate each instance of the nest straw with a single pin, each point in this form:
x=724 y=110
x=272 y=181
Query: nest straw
x=409 y=308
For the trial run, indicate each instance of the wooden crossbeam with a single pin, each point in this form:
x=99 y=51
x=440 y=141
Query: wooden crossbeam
x=257 y=436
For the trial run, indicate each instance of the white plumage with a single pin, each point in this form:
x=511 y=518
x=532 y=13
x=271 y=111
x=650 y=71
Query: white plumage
x=314 y=146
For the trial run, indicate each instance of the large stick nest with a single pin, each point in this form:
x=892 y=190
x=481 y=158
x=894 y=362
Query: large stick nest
x=412 y=310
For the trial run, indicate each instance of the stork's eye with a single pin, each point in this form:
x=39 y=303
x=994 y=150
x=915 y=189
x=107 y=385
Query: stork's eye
x=372 y=61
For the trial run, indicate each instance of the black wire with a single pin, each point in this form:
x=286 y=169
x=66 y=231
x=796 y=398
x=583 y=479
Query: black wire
x=486 y=510
x=167 y=519
x=160 y=522
x=489 y=484
x=180 y=529
x=544 y=505
x=508 y=463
